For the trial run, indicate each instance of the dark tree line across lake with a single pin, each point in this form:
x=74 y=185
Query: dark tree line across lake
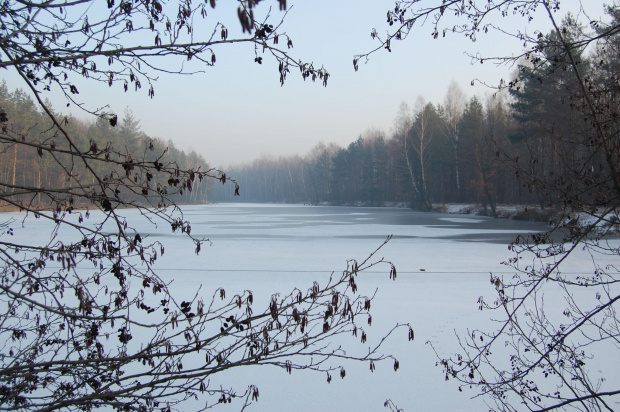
x=459 y=150
x=420 y=163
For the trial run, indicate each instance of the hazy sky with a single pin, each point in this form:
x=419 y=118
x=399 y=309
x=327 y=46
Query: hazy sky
x=237 y=111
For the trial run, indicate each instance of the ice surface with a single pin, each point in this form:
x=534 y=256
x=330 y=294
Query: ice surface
x=443 y=267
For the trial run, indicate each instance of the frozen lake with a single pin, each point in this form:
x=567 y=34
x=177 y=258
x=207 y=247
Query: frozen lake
x=443 y=264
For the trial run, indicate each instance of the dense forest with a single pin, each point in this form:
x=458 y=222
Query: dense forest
x=435 y=154
x=459 y=150
x=452 y=152
x=24 y=166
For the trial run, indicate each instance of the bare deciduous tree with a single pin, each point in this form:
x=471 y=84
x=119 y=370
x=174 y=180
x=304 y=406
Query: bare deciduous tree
x=453 y=107
x=85 y=321
x=402 y=128
x=422 y=135
x=545 y=357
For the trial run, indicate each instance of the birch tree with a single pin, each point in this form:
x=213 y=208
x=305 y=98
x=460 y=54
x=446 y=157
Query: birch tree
x=453 y=107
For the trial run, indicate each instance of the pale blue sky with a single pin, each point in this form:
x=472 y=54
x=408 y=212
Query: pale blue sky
x=237 y=111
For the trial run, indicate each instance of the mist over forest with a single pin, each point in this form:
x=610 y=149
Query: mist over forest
x=459 y=150
x=462 y=149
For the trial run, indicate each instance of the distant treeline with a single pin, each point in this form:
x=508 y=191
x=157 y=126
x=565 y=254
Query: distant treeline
x=25 y=167
x=437 y=154
x=457 y=151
